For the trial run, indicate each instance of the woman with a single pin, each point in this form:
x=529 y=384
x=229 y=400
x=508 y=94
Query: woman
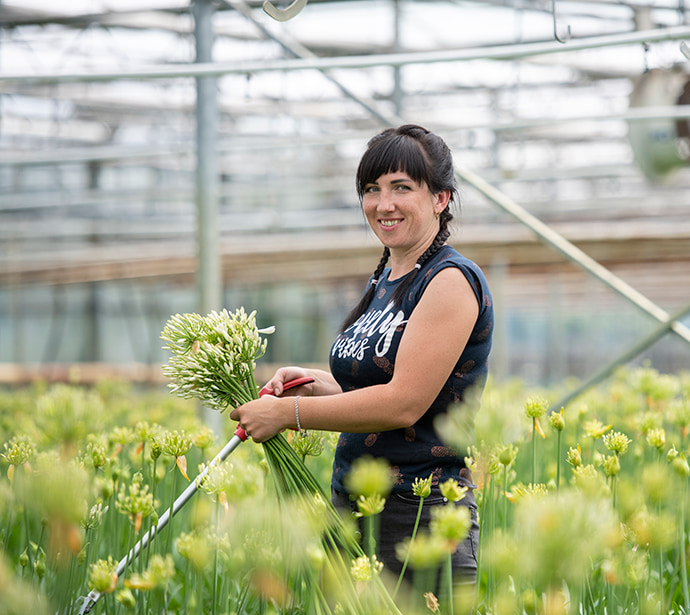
x=414 y=345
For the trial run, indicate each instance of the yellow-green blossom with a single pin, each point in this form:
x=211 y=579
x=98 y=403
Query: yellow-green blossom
x=425 y=551
x=160 y=570
x=680 y=466
x=18 y=450
x=126 y=598
x=616 y=442
x=452 y=491
x=422 y=487
x=557 y=420
x=369 y=476
x=595 y=429
x=135 y=500
x=657 y=438
x=364 y=569
x=574 y=456
x=195 y=548
x=176 y=443
x=203 y=438
x=536 y=407
x=612 y=465
x=309 y=445
x=451 y=524
x=94 y=517
x=519 y=492
x=103 y=577
x=506 y=454
x=368 y=506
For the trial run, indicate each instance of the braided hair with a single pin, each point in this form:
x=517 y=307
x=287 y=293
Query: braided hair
x=425 y=158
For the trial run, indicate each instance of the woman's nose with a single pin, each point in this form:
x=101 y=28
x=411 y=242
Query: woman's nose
x=386 y=200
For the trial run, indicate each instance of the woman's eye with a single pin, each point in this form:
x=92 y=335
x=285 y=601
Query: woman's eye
x=370 y=189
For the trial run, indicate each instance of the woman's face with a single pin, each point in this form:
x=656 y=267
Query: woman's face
x=402 y=212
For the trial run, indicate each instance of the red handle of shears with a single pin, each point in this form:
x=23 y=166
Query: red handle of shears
x=290 y=384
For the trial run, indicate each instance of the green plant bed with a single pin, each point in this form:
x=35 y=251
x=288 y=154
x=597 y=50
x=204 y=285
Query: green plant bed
x=581 y=511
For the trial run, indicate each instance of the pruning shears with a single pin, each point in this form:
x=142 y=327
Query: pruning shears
x=85 y=603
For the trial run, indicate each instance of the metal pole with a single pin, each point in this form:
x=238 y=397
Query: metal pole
x=209 y=276
x=208 y=244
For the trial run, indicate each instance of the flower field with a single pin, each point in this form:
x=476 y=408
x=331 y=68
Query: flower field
x=581 y=511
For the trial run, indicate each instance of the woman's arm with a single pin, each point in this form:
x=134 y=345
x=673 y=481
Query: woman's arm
x=432 y=342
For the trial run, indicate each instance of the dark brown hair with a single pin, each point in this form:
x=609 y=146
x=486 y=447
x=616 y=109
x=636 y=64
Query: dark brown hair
x=426 y=159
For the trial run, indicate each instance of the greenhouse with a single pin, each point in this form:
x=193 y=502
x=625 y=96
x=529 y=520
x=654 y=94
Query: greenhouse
x=177 y=157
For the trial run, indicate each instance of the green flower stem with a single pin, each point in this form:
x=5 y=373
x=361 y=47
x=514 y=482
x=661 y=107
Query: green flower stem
x=558 y=461
x=407 y=556
x=505 y=499
x=449 y=577
x=534 y=450
x=27 y=529
x=683 y=564
x=214 y=580
x=371 y=539
x=168 y=542
x=154 y=466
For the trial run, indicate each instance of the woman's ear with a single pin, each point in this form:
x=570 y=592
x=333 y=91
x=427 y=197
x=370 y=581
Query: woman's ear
x=442 y=199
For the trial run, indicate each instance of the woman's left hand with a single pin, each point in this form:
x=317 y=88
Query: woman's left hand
x=262 y=418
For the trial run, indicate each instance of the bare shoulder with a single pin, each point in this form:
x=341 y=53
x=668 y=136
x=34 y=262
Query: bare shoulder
x=452 y=285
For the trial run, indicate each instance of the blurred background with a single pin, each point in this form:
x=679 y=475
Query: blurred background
x=166 y=156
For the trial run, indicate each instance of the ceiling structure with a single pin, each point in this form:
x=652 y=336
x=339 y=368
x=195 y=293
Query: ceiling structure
x=568 y=109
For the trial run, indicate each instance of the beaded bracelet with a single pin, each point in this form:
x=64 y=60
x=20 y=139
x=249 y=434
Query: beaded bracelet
x=302 y=432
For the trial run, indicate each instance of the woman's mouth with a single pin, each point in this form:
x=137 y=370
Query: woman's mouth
x=389 y=222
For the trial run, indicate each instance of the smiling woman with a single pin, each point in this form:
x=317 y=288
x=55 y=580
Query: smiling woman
x=417 y=343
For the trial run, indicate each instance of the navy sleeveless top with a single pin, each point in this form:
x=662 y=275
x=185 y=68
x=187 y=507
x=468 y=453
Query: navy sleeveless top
x=364 y=355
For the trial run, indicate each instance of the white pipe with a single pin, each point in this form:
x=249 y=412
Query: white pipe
x=502 y=52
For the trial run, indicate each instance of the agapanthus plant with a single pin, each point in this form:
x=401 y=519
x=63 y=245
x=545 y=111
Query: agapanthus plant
x=213 y=359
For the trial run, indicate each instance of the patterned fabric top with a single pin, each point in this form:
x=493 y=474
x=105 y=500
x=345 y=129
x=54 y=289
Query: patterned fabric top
x=364 y=355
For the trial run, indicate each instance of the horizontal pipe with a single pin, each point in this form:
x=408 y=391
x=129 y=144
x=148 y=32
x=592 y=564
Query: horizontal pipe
x=500 y=52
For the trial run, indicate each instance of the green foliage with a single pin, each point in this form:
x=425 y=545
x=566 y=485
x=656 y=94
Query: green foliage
x=86 y=472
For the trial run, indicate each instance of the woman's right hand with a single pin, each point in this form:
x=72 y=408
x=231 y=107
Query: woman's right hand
x=286 y=374
x=323 y=384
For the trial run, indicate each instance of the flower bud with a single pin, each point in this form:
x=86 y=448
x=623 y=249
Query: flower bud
x=612 y=465
x=680 y=466
x=574 y=457
x=126 y=598
x=557 y=420
x=422 y=487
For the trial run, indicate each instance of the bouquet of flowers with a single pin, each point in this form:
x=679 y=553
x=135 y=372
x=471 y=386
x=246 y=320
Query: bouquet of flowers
x=213 y=359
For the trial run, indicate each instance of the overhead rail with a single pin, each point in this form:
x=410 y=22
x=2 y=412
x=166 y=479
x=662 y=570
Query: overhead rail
x=109 y=153
x=217 y=69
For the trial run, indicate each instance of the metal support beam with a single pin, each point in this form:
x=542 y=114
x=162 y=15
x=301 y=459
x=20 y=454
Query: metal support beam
x=208 y=242
x=209 y=276
x=500 y=52
x=626 y=356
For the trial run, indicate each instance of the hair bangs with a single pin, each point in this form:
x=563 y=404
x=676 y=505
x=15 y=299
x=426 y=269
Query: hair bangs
x=391 y=154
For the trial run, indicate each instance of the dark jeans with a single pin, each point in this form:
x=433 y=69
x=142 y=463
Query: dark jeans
x=396 y=523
